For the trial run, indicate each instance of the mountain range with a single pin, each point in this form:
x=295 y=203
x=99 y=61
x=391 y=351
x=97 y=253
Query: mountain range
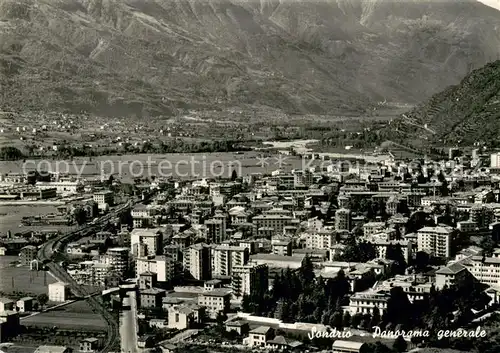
x=157 y=57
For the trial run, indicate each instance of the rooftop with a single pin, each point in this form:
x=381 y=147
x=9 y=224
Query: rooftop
x=261 y=330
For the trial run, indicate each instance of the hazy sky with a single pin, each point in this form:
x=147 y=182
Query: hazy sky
x=492 y=3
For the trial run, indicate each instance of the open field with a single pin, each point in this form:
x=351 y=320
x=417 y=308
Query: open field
x=68 y=320
x=21 y=279
x=180 y=165
x=11 y=216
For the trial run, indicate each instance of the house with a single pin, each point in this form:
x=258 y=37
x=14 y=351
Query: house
x=184 y=316
x=6 y=304
x=9 y=325
x=89 y=345
x=25 y=304
x=449 y=275
x=341 y=346
x=145 y=341
x=259 y=336
x=28 y=254
x=215 y=301
x=158 y=323
x=58 y=292
x=53 y=349
x=238 y=326
x=151 y=297
x=282 y=343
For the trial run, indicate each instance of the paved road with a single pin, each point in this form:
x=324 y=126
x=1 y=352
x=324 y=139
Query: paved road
x=48 y=309
x=128 y=325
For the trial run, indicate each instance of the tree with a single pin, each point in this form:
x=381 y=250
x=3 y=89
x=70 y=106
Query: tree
x=42 y=299
x=398 y=307
x=234 y=175
x=307 y=271
x=395 y=253
x=336 y=320
x=346 y=320
x=10 y=154
x=375 y=319
x=421 y=261
x=356 y=320
x=376 y=347
x=221 y=318
x=488 y=245
x=80 y=216
x=399 y=345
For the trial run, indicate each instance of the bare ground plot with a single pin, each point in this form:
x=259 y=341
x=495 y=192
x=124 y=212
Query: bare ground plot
x=64 y=319
x=21 y=279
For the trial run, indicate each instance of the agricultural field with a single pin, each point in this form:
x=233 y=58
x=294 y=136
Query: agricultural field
x=19 y=280
x=75 y=316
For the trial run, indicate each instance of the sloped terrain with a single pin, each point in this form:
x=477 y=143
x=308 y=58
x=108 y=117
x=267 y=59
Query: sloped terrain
x=147 y=57
x=463 y=114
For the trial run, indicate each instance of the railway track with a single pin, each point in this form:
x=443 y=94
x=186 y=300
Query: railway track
x=47 y=255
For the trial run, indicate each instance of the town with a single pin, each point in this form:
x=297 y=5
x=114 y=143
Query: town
x=315 y=258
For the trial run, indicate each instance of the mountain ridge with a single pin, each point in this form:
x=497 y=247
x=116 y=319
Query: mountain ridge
x=151 y=57
x=461 y=115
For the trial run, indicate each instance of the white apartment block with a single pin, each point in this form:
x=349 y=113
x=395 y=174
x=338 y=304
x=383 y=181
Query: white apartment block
x=323 y=239
x=118 y=258
x=371 y=228
x=382 y=245
x=487 y=271
x=248 y=279
x=436 y=241
x=224 y=258
x=495 y=160
x=367 y=302
x=58 y=292
x=197 y=260
x=152 y=238
x=162 y=265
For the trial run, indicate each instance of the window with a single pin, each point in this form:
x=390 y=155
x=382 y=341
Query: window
x=176 y=317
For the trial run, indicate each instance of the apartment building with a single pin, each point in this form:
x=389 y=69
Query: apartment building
x=367 y=302
x=449 y=275
x=143 y=216
x=485 y=270
x=372 y=228
x=216 y=231
x=104 y=197
x=482 y=216
x=224 y=258
x=118 y=258
x=197 y=261
x=251 y=279
x=321 y=239
x=28 y=254
x=381 y=246
x=151 y=238
x=343 y=219
x=162 y=265
x=215 y=301
x=302 y=178
x=436 y=241
x=276 y=222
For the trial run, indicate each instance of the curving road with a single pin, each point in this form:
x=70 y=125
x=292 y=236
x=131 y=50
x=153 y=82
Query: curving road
x=47 y=253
